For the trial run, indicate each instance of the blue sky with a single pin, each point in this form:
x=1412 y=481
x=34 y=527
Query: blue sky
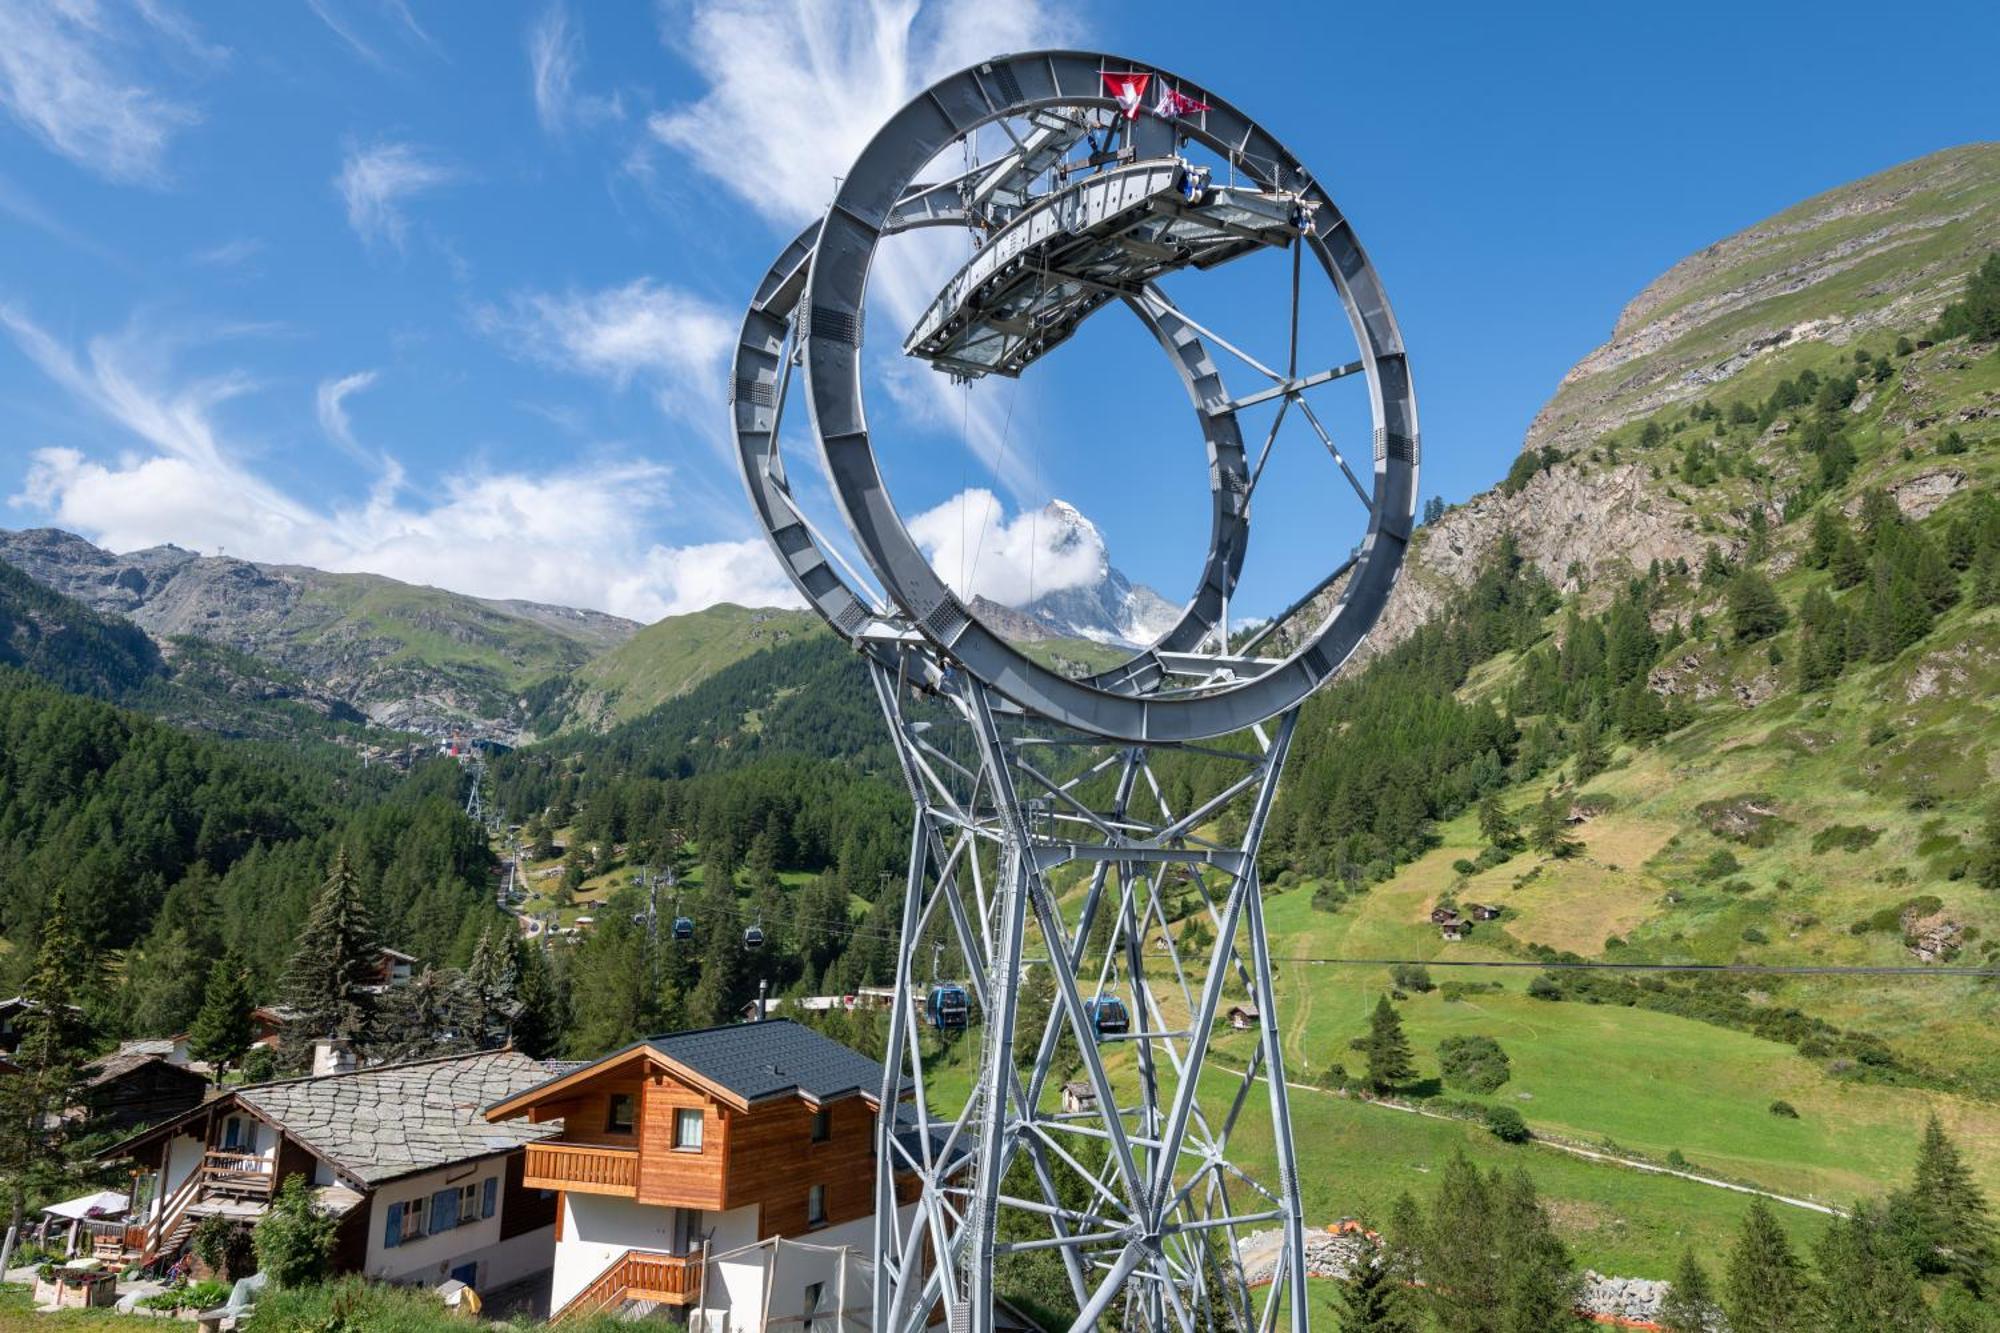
x=443 y=291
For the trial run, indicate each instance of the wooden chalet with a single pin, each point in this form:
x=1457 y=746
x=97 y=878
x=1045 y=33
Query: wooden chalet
x=682 y=1156
x=423 y=1186
x=1244 y=1018
x=1483 y=912
x=139 y=1084
x=1444 y=916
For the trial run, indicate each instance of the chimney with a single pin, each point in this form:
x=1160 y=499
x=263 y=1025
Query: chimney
x=333 y=1055
x=763 y=991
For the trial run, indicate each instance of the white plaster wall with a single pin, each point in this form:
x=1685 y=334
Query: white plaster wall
x=430 y=1259
x=183 y=1156
x=739 y=1306
x=596 y=1229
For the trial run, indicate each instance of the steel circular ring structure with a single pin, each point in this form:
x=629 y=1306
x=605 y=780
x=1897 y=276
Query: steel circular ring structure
x=874 y=199
x=760 y=378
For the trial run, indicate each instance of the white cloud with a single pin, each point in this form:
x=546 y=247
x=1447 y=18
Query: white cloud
x=796 y=89
x=60 y=77
x=330 y=402
x=572 y=535
x=979 y=551
x=555 y=54
x=340 y=28
x=674 y=342
x=376 y=181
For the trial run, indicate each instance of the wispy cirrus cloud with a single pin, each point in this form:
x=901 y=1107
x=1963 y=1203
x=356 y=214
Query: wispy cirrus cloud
x=555 y=57
x=376 y=181
x=795 y=90
x=642 y=332
x=71 y=75
x=569 y=535
x=330 y=403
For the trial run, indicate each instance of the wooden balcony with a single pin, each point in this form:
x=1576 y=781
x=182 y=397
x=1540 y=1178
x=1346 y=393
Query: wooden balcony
x=585 y=1170
x=237 y=1172
x=636 y=1275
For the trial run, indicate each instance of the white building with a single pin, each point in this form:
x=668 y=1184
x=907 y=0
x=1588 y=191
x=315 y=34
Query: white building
x=728 y=1172
x=425 y=1188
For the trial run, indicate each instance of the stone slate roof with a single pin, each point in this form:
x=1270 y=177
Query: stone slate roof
x=132 y=1055
x=769 y=1059
x=395 y=1120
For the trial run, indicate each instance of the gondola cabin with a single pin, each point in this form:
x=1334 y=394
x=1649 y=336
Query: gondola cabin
x=1107 y=1016
x=753 y=938
x=683 y=927
x=948 y=1008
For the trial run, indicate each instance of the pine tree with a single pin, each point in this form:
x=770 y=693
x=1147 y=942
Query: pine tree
x=1390 y=1060
x=1985 y=865
x=539 y=1018
x=1371 y=1301
x=1540 y=1284
x=490 y=986
x=1463 y=1284
x=1866 y=1283
x=223 y=1033
x=1496 y=825
x=428 y=1015
x=1690 y=1306
x=34 y=1132
x=1755 y=613
x=1591 y=755
x=328 y=982
x=1549 y=832
x=1765 y=1287
x=1955 y=1226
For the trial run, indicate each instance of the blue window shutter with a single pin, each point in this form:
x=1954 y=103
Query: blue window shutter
x=444 y=1211
x=488 y=1195
x=392 y=1229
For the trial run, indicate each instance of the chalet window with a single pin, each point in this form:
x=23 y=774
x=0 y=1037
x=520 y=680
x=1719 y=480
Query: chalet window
x=444 y=1211
x=618 y=1119
x=687 y=1129
x=468 y=1204
x=816 y=1206
x=413 y=1218
x=822 y=1126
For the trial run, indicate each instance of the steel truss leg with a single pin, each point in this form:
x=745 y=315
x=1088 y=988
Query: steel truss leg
x=1135 y=1190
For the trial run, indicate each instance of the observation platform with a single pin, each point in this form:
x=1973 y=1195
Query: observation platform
x=1095 y=240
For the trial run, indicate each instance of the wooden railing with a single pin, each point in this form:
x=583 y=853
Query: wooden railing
x=586 y=1170
x=238 y=1170
x=636 y=1275
x=170 y=1214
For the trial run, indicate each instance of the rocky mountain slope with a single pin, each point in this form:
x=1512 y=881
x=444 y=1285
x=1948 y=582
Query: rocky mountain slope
x=406 y=657
x=1883 y=253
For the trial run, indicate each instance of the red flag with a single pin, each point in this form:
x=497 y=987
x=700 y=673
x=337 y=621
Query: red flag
x=1174 y=104
x=1128 y=90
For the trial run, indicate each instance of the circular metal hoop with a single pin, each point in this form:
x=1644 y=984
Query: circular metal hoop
x=834 y=295
x=761 y=380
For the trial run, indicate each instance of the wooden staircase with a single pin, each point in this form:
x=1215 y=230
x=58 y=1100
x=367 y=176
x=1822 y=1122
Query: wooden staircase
x=637 y=1276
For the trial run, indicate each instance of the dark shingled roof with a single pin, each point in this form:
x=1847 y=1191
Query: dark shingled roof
x=770 y=1059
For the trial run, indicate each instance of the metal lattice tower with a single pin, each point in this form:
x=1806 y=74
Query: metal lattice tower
x=1092 y=918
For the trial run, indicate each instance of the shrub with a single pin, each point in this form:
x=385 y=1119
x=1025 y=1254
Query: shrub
x=294 y=1240
x=1784 y=1110
x=1464 y=867
x=1473 y=1064
x=261 y=1065
x=1845 y=837
x=1412 y=977
x=1507 y=1125
x=1752 y=935
x=1721 y=864
x=224 y=1246
x=1676 y=1161
x=1544 y=988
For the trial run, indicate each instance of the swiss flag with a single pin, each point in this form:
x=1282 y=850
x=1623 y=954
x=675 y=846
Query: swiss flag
x=1174 y=104
x=1129 y=91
